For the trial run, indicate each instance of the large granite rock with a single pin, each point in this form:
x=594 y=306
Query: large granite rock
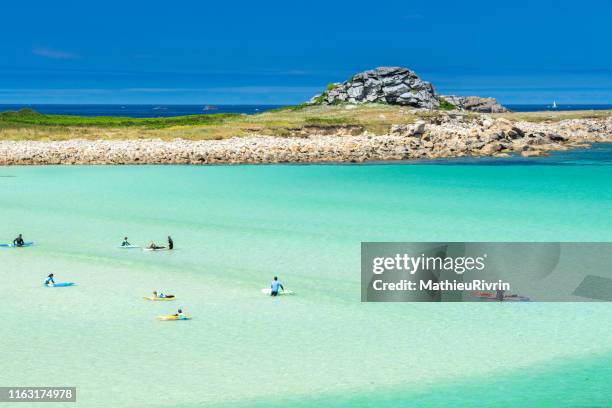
x=392 y=85
x=475 y=103
x=399 y=86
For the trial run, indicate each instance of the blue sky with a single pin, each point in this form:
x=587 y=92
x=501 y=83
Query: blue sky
x=280 y=52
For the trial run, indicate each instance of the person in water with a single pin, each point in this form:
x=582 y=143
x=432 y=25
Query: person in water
x=170 y=243
x=499 y=295
x=49 y=280
x=19 y=241
x=275 y=286
x=153 y=245
x=125 y=242
x=161 y=295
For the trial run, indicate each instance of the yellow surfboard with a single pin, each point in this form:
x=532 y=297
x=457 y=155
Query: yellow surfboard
x=159 y=298
x=173 y=317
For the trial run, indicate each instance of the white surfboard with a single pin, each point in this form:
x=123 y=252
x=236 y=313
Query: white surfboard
x=267 y=291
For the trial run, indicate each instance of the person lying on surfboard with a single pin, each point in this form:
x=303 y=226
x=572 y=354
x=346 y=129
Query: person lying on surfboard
x=153 y=245
x=275 y=285
x=125 y=242
x=19 y=241
x=161 y=295
x=49 y=280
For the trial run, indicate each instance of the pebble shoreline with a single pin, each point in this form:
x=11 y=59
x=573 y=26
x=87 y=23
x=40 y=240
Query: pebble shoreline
x=449 y=136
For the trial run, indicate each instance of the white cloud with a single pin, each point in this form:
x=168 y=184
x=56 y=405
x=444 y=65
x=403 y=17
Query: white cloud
x=53 y=53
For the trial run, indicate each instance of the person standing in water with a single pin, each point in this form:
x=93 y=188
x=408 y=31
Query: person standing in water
x=275 y=286
x=170 y=243
x=499 y=295
x=125 y=242
x=49 y=280
x=19 y=241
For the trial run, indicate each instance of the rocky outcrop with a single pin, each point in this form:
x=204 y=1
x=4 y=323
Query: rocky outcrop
x=392 y=85
x=455 y=135
x=434 y=136
x=475 y=104
x=399 y=86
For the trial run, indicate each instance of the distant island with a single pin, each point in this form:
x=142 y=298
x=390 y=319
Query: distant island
x=384 y=114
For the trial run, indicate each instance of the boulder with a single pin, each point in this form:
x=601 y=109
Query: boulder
x=475 y=104
x=492 y=148
x=398 y=86
x=532 y=153
x=416 y=129
x=555 y=137
x=392 y=85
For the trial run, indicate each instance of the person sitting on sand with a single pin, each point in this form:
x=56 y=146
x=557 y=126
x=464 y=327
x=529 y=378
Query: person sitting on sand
x=275 y=286
x=19 y=241
x=153 y=245
x=170 y=243
x=125 y=242
x=49 y=280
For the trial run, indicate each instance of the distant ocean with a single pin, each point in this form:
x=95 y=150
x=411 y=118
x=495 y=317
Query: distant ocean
x=139 y=111
x=540 y=108
x=152 y=111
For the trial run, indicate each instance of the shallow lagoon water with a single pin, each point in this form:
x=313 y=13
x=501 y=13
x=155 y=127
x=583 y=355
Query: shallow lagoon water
x=237 y=226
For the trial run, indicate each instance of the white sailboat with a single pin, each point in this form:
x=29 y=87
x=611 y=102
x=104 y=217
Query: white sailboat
x=554 y=105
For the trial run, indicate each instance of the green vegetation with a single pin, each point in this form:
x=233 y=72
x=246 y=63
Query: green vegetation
x=287 y=121
x=290 y=108
x=319 y=100
x=446 y=105
x=28 y=117
x=291 y=121
x=331 y=86
x=327 y=121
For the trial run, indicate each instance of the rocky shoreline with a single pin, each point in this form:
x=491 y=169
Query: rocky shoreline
x=442 y=136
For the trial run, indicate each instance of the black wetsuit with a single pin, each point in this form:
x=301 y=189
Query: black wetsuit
x=499 y=295
x=170 y=243
x=18 y=241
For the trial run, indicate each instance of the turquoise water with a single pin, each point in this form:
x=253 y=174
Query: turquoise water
x=580 y=383
x=237 y=226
